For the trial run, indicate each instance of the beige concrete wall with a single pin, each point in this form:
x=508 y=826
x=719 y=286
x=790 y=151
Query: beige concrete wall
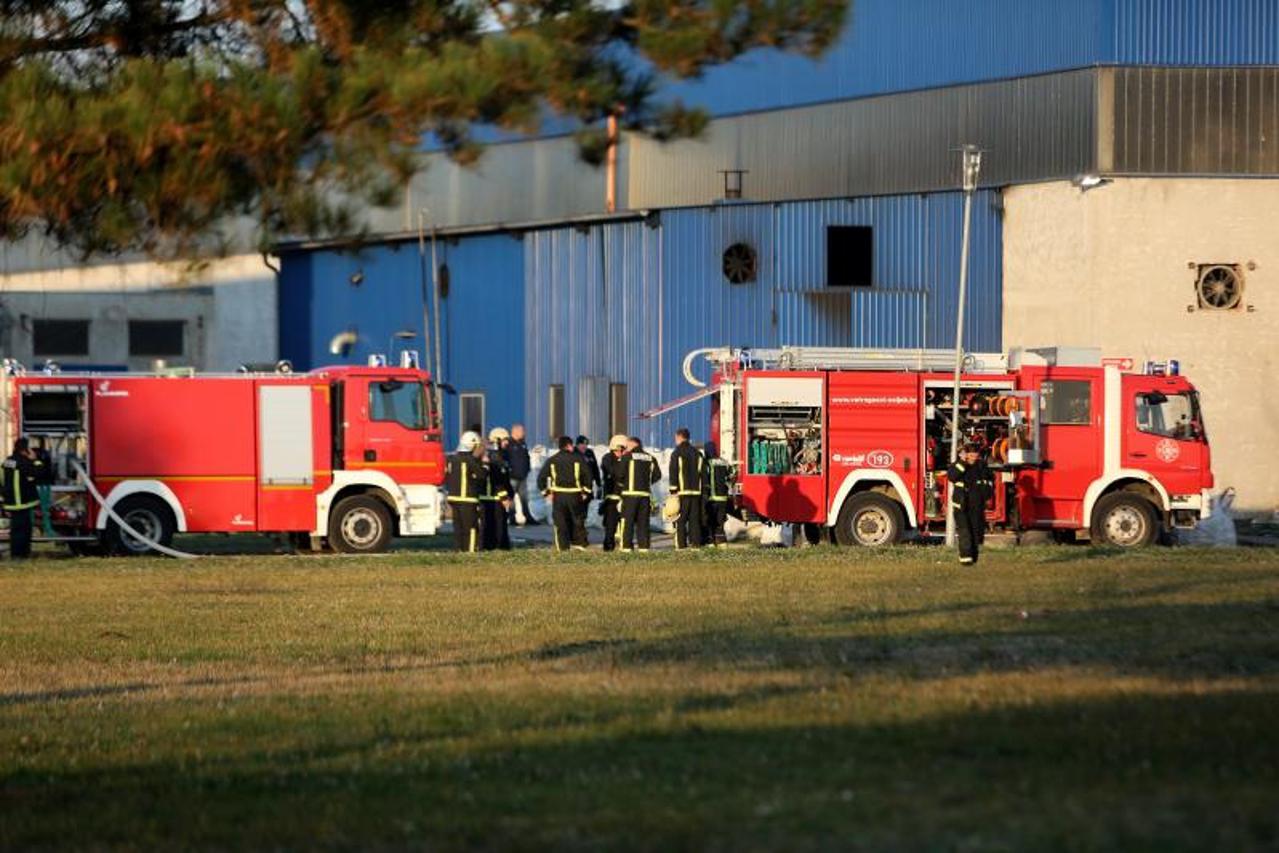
x=1111 y=267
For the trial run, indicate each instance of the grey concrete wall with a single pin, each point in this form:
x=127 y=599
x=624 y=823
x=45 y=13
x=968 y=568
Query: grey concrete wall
x=1116 y=267
x=228 y=306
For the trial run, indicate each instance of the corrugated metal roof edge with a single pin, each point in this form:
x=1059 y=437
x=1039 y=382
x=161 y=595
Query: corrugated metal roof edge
x=355 y=243
x=872 y=96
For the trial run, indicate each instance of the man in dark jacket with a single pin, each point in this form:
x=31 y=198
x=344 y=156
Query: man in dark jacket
x=515 y=451
x=20 y=497
x=639 y=471
x=686 y=482
x=496 y=497
x=565 y=480
x=718 y=474
x=582 y=447
x=971 y=485
x=44 y=484
x=611 y=471
x=465 y=481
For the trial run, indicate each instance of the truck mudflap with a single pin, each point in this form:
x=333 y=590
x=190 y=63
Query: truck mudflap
x=424 y=510
x=1189 y=510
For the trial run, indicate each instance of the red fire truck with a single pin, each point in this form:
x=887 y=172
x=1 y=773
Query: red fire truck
x=343 y=456
x=858 y=440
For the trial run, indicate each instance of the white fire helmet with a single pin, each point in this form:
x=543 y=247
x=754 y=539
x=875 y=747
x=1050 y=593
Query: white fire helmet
x=497 y=434
x=618 y=442
x=469 y=441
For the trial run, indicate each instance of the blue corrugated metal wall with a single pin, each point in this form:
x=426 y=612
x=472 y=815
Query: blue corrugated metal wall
x=627 y=301
x=482 y=330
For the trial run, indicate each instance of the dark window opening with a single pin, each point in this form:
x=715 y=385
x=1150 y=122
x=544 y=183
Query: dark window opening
x=555 y=412
x=156 y=337
x=59 y=337
x=471 y=412
x=617 y=420
x=850 y=256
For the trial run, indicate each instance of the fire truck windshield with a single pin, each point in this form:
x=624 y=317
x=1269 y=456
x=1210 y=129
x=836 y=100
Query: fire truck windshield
x=401 y=402
x=1170 y=415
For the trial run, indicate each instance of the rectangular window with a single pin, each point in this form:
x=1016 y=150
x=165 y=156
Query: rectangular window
x=156 y=338
x=1065 y=401
x=555 y=412
x=59 y=337
x=1169 y=415
x=850 y=256
x=401 y=402
x=470 y=408
x=618 y=422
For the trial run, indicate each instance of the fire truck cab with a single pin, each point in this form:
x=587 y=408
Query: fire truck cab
x=342 y=456
x=858 y=441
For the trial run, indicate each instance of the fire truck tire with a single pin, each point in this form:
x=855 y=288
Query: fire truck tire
x=359 y=524
x=146 y=514
x=1124 y=520
x=870 y=519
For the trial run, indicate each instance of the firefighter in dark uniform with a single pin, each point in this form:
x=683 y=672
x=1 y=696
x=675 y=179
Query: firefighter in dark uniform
x=686 y=471
x=495 y=500
x=20 y=497
x=466 y=481
x=565 y=479
x=639 y=472
x=584 y=450
x=611 y=471
x=718 y=474
x=971 y=486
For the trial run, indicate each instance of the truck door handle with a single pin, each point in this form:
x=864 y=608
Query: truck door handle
x=1139 y=454
x=370 y=456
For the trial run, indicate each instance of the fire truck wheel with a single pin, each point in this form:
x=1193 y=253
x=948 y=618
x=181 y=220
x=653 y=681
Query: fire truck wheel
x=148 y=515
x=1124 y=520
x=869 y=519
x=359 y=525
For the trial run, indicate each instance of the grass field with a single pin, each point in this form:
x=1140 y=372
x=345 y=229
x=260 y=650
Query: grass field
x=1049 y=699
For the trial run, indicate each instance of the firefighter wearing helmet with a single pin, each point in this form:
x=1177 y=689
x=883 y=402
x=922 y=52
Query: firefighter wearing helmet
x=496 y=498
x=640 y=471
x=971 y=485
x=466 y=481
x=611 y=486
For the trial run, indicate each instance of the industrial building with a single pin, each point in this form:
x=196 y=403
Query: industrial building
x=1128 y=191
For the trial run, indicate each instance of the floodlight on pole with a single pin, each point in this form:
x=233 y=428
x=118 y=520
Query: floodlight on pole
x=971 y=172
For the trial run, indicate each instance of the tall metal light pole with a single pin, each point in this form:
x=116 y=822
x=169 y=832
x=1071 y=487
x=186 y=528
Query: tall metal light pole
x=972 y=168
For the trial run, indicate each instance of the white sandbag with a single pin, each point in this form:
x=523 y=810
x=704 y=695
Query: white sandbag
x=1218 y=529
x=734 y=528
x=776 y=535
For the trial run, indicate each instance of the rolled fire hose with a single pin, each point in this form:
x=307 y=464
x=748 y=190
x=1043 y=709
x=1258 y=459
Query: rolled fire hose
x=124 y=525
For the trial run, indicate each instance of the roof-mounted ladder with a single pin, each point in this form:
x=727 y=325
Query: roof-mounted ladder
x=845 y=358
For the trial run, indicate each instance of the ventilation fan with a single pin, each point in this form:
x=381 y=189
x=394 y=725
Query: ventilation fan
x=740 y=265
x=1220 y=287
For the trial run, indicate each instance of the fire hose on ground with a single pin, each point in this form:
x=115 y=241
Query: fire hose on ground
x=124 y=525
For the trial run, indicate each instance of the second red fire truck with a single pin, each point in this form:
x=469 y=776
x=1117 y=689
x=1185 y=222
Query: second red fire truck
x=858 y=441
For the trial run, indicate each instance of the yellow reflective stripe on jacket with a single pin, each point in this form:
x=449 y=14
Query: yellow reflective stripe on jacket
x=18 y=503
x=631 y=494
x=462 y=479
x=577 y=474
x=565 y=490
x=454 y=499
